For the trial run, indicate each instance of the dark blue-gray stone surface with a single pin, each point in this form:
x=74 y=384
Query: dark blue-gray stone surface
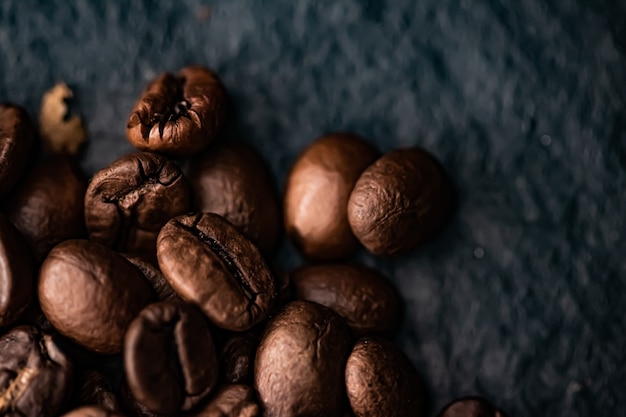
x=523 y=298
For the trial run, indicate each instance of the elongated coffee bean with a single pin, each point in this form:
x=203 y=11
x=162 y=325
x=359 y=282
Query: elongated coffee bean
x=16 y=141
x=471 y=407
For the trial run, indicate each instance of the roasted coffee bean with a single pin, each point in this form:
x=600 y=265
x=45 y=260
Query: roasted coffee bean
x=155 y=277
x=317 y=192
x=381 y=381
x=47 y=208
x=92 y=411
x=169 y=357
x=471 y=407
x=35 y=375
x=16 y=142
x=132 y=407
x=128 y=202
x=232 y=180
x=210 y=263
x=237 y=358
x=299 y=365
x=231 y=401
x=17 y=273
x=90 y=294
x=362 y=296
x=179 y=115
x=97 y=390
x=400 y=201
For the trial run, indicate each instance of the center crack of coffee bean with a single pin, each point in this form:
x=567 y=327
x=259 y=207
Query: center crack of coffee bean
x=16 y=388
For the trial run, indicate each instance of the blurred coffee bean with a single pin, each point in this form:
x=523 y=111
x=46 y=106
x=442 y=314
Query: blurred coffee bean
x=231 y=401
x=471 y=407
x=16 y=143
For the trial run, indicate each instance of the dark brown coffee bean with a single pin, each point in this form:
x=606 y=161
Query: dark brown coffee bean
x=132 y=407
x=179 y=115
x=16 y=142
x=91 y=294
x=400 y=201
x=155 y=277
x=317 y=192
x=169 y=357
x=128 y=202
x=237 y=358
x=211 y=264
x=35 y=375
x=92 y=411
x=299 y=365
x=231 y=401
x=471 y=407
x=382 y=382
x=362 y=296
x=97 y=390
x=48 y=206
x=17 y=273
x=232 y=180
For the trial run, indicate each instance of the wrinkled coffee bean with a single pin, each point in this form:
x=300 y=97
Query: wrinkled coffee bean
x=92 y=411
x=17 y=273
x=128 y=202
x=232 y=180
x=299 y=365
x=97 y=390
x=90 y=294
x=35 y=375
x=237 y=358
x=400 y=201
x=155 y=277
x=211 y=264
x=16 y=143
x=169 y=357
x=471 y=407
x=362 y=296
x=179 y=115
x=382 y=382
x=231 y=401
x=47 y=208
x=317 y=192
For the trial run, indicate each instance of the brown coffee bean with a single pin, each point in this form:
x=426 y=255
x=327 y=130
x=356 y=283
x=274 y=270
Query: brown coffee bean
x=299 y=365
x=179 y=115
x=155 y=277
x=471 y=407
x=231 y=401
x=211 y=264
x=169 y=357
x=381 y=381
x=362 y=296
x=128 y=202
x=35 y=375
x=90 y=294
x=237 y=358
x=133 y=407
x=16 y=143
x=400 y=201
x=92 y=411
x=96 y=390
x=47 y=208
x=232 y=180
x=317 y=192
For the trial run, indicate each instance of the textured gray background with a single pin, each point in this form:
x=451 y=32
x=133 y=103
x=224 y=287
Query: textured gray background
x=523 y=298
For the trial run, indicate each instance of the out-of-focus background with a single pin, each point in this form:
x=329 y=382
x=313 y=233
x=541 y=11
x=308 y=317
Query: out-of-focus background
x=523 y=298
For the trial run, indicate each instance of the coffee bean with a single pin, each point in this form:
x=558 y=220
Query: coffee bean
x=92 y=411
x=128 y=202
x=400 y=201
x=232 y=180
x=133 y=407
x=155 y=277
x=17 y=273
x=16 y=142
x=471 y=407
x=90 y=294
x=179 y=115
x=35 y=375
x=317 y=192
x=299 y=365
x=97 y=390
x=211 y=264
x=169 y=357
x=237 y=358
x=231 y=401
x=362 y=296
x=382 y=381
x=47 y=208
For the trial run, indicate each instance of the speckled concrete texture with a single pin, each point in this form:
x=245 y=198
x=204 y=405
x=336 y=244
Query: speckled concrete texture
x=523 y=298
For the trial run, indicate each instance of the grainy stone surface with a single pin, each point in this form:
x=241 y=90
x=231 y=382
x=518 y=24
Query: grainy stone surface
x=523 y=298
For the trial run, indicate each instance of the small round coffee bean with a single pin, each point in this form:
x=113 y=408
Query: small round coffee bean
x=16 y=142
x=299 y=365
x=128 y=202
x=231 y=401
x=317 y=192
x=400 y=201
x=91 y=294
x=179 y=115
x=155 y=277
x=97 y=390
x=232 y=180
x=237 y=358
x=47 y=208
x=471 y=407
x=35 y=375
x=169 y=357
x=211 y=264
x=92 y=411
x=382 y=382
x=366 y=299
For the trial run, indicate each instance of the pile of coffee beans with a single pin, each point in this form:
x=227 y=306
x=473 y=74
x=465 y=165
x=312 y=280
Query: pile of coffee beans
x=151 y=290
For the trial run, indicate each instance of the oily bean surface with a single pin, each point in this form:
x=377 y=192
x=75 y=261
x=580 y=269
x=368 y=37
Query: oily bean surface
x=471 y=407
x=16 y=143
x=231 y=401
